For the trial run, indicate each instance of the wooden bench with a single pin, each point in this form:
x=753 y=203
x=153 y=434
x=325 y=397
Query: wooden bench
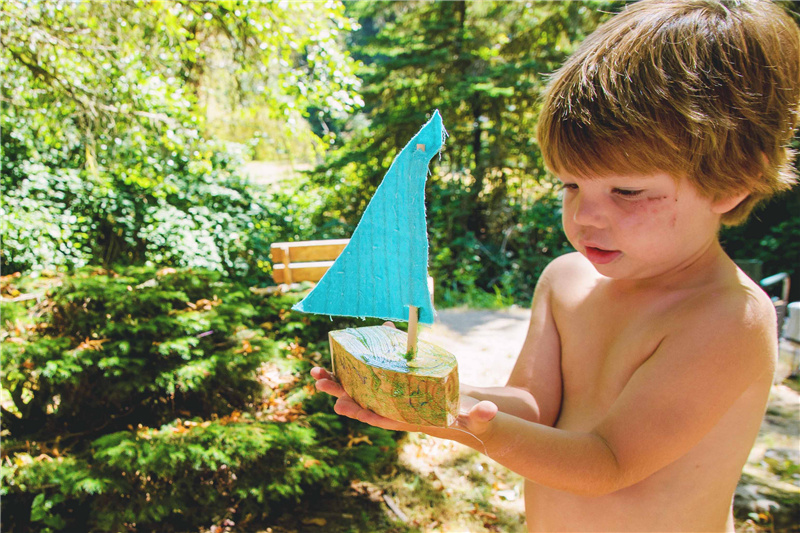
x=293 y=262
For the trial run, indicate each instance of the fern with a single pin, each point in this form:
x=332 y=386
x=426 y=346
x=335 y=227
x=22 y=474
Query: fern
x=137 y=398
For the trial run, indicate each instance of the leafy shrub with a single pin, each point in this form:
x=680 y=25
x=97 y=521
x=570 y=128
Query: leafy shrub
x=770 y=236
x=204 y=215
x=166 y=400
x=109 y=159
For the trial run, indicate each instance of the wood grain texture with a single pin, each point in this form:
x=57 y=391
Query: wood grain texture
x=300 y=271
x=369 y=364
x=303 y=251
x=293 y=262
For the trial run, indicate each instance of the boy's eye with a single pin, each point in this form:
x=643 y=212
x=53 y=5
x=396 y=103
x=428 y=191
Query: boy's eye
x=569 y=186
x=628 y=193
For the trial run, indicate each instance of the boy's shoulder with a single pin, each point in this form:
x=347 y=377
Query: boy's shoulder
x=568 y=267
x=734 y=315
x=568 y=276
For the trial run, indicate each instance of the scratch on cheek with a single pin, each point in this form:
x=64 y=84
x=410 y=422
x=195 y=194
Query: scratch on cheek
x=654 y=208
x=674 y=221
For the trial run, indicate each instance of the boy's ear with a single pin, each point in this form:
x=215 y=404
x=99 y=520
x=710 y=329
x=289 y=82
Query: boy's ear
x=723 y=205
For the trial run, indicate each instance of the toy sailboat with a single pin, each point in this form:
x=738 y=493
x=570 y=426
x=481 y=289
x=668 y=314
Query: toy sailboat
x=383 y=273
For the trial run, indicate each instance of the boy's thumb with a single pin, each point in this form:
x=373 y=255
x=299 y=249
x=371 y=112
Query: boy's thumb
x=483 y=411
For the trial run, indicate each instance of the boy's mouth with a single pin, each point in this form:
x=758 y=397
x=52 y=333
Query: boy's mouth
x=600 y=256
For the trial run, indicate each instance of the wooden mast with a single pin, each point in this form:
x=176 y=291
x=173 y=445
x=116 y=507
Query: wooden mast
x=413 y=316
x=413 y=312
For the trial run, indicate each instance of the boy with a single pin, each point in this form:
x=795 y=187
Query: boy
x=646 y=370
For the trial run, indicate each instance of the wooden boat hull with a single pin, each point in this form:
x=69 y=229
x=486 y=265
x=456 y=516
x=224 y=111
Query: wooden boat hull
x=369 y=364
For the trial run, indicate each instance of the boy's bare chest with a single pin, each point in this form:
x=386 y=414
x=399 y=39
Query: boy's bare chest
x=604 y=340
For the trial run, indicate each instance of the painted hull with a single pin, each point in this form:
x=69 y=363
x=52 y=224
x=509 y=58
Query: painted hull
x=369 y=364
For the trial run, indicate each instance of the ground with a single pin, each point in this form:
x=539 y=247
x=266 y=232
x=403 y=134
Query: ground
x=443 y=486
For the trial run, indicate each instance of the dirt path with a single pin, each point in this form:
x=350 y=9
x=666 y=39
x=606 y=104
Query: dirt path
x=486 y=343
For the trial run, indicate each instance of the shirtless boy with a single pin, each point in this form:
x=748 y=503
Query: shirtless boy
x=646 y=370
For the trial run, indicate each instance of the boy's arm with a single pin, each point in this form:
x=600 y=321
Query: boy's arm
x=533 y=391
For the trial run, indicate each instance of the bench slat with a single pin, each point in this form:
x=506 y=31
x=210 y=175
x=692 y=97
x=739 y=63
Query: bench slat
x=301 y=271
x=303 y=251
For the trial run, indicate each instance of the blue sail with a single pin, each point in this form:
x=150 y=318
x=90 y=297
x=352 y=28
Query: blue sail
x=384 y=268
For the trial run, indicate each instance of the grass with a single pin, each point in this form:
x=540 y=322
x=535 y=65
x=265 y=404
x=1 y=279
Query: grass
x=435 y=486
x=445 y=486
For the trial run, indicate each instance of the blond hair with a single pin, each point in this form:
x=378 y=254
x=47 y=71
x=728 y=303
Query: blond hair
x=705 y=89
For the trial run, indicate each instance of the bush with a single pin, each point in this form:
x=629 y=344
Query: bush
x=501 y=266
x=166 y=400
x=112 y=161
x=204 y=215
x=770 y=236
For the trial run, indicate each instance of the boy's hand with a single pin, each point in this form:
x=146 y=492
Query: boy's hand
x=474 y=415
x=346 y=406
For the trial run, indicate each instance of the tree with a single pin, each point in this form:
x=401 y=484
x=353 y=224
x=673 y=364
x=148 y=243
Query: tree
x=494 y=215
x=102 y=132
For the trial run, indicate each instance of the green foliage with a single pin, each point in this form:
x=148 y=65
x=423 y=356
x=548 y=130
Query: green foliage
x=166 y=400
x=494 y=272
x=481 y=64
x=771 y=236
x=65 y=218
x=106 y=157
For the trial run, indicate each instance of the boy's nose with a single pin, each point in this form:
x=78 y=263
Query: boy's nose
x=587 y=212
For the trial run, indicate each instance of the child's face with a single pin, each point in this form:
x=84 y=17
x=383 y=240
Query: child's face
x=638 y=227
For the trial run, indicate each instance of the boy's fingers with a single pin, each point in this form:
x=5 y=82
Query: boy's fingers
x=390 y=325
x=329 y=386
x=326 y=382
x=346 y=406
x=477 y=417
x=320 y=373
